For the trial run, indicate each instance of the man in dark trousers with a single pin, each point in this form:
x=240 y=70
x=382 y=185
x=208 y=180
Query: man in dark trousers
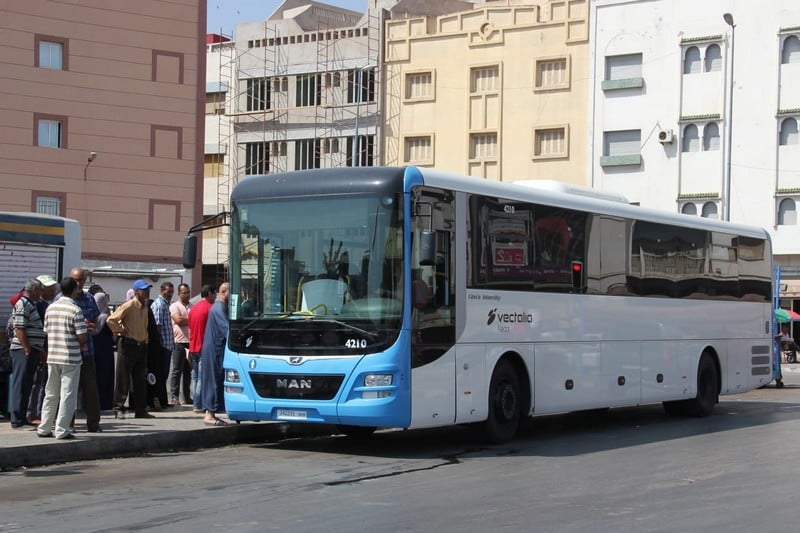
x=163 y=319
x=26 y=350
x=129 y=322
x=90 y=398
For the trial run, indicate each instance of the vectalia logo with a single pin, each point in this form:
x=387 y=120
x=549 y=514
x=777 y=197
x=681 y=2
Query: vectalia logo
x=508 y=318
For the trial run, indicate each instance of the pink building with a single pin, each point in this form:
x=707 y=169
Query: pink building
x=103 y=122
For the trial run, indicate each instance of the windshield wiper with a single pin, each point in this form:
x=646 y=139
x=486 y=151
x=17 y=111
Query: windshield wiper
x=317 y=318
x=244 y=329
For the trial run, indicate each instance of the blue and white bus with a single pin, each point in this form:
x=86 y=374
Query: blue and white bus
x=412 y=298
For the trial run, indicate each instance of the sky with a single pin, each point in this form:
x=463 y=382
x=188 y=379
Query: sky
x=224 y=15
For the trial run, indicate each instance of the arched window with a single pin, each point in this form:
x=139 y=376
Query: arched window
x=787 y=212
x=711 y=137
x=789 y=132
x=791 y=50
x=689 y=209
x=713 y=58
x=691 y=61
x=710 y=210
x=690 y=141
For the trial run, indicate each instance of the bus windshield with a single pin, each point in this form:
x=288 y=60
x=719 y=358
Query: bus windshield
x=312 y=274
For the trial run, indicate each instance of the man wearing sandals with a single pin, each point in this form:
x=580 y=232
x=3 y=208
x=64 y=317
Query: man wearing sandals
x=216 y=336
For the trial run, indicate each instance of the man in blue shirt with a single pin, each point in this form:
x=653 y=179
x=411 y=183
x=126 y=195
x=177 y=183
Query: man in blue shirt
x=160 y=308
x=88 y=380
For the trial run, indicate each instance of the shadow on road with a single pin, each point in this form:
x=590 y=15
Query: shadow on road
x=564 y=435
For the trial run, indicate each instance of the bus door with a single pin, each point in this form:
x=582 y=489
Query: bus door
x=433 y=309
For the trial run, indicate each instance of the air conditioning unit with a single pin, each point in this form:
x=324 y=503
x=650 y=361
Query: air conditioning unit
x=665 y=136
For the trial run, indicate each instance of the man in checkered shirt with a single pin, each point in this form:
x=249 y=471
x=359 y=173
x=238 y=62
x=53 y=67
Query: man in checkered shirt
x=160 y=308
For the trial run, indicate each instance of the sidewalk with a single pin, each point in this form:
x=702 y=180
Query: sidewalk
x=173 y=429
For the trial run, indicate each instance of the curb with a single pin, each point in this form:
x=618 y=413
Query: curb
x=90 y=449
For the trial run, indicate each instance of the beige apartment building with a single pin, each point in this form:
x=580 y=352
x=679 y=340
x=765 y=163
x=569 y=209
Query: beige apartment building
x=498 y=91
x=124 y=81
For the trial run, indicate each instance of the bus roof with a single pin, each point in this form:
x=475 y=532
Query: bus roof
x=345 y=180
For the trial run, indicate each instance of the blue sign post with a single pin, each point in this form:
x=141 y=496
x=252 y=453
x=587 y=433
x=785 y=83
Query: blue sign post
x=777 y=375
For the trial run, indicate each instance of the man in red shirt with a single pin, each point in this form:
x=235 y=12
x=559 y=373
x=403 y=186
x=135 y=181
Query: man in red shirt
x=198 y=316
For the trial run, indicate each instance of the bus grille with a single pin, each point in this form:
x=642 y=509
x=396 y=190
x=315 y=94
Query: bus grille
x=297 y=386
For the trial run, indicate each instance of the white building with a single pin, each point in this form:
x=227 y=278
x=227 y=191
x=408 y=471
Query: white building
x=660 y=110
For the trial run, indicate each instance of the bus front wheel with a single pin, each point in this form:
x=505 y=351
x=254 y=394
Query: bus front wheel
x=356 y=432
x=504 y=404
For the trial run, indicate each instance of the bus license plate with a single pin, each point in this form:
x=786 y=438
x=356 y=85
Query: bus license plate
x=292 y=414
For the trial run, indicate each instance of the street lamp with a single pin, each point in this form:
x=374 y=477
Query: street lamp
x=728 y=18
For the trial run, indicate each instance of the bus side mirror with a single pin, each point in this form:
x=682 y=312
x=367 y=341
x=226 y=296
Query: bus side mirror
x=427 y=248
x=189 y=251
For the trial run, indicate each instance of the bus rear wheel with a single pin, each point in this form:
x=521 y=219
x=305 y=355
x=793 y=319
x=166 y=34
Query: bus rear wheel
x=504 y=404
x=707 y=388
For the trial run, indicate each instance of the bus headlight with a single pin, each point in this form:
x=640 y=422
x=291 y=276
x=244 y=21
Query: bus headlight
x=232 y=376
x=377 y=380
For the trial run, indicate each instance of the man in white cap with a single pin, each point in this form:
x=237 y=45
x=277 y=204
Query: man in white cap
x=129 y=322
x=49 y=285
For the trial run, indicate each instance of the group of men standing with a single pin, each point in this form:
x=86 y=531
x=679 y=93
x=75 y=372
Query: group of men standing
x=189 y=339
x=47 y=328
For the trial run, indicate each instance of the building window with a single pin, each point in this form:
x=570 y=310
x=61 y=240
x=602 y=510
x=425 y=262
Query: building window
x=485 y=79
x=330 y=146
x=258 y=94
x=418 y=150
x=364 y=154
x=307 y=154
x=691 y=60
x=51 y=52
x=787 y=212
x=788 y=134
x=689 y=209
x=623 y=72
x=308 y=90
x=791 y=50
x=550 y=143
x=419 y=86
x=710 y=210
x=552 y=73
x=50 y=55
x=711 y=137
x=360 y=86
x=256 y=158
x=215 y=103
x=483 y=146
x=48 y=205
x=621 y=148
x=278 y=149
x=50 y=131
x=690 y=140
x=713 y=59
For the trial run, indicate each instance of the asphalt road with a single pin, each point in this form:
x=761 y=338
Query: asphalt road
x=627 y=470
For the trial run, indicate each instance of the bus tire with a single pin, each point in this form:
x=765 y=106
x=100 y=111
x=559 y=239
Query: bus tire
x=707 y=388
x=356 y=432
x=504 y=404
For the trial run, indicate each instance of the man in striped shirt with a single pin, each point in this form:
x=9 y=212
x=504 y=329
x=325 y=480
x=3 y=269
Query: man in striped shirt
x=26 y=349
x=67 y=337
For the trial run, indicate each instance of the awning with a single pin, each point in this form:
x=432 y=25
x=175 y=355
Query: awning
x=786 y=315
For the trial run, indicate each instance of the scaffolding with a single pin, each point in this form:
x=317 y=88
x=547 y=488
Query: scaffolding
x=263 y=122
